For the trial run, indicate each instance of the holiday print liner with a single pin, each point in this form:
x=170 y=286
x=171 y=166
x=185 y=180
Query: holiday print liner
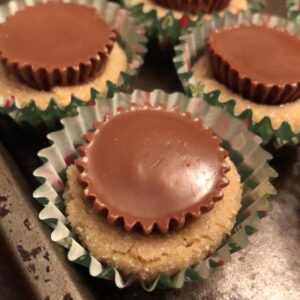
x=293 y=7
x=244 y=150
x=169 y=25
x=192 y=45
x=131 y=38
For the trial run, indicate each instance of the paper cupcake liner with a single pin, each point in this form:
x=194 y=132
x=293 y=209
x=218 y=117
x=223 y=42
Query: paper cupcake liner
x=169 y=27
x=244 y=150
x=188 y=51
x=293 y=7
x=131 y=38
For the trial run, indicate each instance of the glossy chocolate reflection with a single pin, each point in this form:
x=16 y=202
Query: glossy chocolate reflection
x=260 y=63
x=149 y=166
x=194 y=6
x=55 y=44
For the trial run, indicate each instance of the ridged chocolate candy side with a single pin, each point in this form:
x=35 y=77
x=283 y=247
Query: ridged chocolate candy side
x=151 y=168
x=259 y=63
x=55 y=44
x=194 y=6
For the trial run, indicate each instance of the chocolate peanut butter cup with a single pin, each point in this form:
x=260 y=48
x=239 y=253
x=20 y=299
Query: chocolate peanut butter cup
x=150 y=167
x=155 y=260
x=55 y=44
x=194 y=6
x=262 y=64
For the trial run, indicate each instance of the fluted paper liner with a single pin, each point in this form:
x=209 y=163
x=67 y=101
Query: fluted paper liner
x=293 y=7
x=193 y=43
x=169 y=27
x=131 y=38
x=244 y=151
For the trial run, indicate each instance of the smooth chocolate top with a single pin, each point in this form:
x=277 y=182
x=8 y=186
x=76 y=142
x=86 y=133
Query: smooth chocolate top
x=265 y=55
x=149 y=166
x=53 y=35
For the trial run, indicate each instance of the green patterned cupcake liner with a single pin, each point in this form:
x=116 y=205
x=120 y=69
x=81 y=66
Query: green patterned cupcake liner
x=293 y=7
x=244 y=150
x=131 y=38
x=169 y=27
x=187 y=52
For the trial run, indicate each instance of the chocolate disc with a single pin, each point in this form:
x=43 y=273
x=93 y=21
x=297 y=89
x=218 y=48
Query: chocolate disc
x=260 y=63
x=149 y=166
x=55 y=44
x=195 y=6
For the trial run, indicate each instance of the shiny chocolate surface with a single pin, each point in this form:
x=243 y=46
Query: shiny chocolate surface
x=260 y=63
x=54 y=44
x=150 y=166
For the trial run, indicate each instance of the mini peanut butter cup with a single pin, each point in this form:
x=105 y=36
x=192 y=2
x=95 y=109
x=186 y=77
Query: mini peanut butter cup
x=149 y=168
x=194 y=6
x=260 y=63
x=55 y=44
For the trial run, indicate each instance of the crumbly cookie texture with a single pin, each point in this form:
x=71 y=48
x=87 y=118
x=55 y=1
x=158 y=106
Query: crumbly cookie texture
x=277 y=113
x=117 y=62
x=154 y=254
x=234 y=7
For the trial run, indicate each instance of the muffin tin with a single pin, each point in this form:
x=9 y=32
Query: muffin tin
x=42 y=268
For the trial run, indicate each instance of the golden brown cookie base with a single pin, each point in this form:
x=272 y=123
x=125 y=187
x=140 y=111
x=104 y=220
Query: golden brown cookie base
x=153 y=254
x=234 y=7
x=277 y=113
x=117 y=62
